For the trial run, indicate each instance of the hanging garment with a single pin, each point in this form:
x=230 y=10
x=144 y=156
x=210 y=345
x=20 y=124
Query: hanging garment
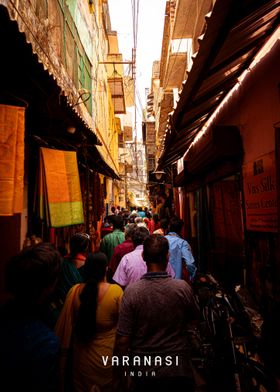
x=60 y=197
x=12 y=122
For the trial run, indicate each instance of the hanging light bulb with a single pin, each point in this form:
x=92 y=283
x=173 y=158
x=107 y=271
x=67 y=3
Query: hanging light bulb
x=159 y=174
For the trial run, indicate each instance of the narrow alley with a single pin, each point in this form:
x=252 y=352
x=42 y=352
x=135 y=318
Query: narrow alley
x=139 y=146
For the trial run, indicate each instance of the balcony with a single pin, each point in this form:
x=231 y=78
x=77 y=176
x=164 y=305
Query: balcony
x=115 y=81
x=117 y=92
x=176 y=70
x=189 y=18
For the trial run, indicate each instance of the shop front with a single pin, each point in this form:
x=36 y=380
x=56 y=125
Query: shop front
x=210 y=190
x=33 y=106
x=233 y=189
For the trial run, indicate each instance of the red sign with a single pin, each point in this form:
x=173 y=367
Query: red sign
x=259 y=180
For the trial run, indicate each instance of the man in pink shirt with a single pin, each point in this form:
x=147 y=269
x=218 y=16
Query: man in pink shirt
x=132 y=266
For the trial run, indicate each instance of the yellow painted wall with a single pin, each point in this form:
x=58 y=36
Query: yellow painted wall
x=103 y=111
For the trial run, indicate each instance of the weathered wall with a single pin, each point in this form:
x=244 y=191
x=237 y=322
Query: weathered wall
x=255 y=107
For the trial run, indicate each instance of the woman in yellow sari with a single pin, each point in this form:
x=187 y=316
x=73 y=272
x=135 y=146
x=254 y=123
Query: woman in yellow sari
x=87 y=329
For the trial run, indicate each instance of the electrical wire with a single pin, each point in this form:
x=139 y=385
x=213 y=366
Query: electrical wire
x=135 y=17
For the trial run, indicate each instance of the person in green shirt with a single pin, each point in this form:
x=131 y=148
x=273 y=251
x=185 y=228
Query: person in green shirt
x=111 y=240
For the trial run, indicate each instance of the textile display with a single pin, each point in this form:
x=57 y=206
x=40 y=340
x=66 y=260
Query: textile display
x=60 y=196
x=12 y=123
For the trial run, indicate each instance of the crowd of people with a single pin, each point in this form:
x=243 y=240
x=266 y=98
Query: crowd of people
x=116 y=319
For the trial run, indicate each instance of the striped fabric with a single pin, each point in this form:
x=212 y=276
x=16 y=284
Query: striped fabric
x=12 y=123
x=59 y=188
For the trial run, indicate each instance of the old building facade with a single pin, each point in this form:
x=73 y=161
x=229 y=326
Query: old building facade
x=220 y=141
x=57 y=90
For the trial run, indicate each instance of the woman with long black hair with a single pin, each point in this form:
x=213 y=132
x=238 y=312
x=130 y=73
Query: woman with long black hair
x=87 y=327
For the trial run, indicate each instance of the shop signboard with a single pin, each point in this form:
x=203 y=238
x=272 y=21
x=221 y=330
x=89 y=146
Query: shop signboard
x=260 y=194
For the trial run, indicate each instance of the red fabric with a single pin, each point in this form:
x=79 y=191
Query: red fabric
x=154 y=226
x=119 y=251
x=106 y=230
x=149 y=224
x=226 y=211
x=52 y=235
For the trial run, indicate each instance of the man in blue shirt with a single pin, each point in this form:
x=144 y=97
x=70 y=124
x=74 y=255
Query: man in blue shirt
x=141 y=213
x=179 y=250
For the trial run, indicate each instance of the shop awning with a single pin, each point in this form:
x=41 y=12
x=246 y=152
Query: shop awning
x=215 y=155
x=110 y=164
x=96 y=159
x=236 y=30
x=25 y=22
x=49 y=113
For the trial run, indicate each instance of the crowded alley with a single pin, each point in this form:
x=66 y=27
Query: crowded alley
x=139 y=195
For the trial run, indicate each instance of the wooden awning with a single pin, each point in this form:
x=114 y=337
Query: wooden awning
x=235 y=32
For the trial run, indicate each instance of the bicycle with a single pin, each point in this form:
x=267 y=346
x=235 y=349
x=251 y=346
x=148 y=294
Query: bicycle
x=226 y=332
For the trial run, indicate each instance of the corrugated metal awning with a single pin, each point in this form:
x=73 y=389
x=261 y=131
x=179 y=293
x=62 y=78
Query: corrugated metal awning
x=97 y=159
x=27 y=24
x=235 y=32
x=109 y=165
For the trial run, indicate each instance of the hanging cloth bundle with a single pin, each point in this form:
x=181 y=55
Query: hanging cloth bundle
x=60 y=196
x=12 y=123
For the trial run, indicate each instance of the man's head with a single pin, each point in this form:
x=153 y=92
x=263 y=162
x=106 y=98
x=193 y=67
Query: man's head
x=129 y=230
x=31 y=275
x=155 y=250
x=139 y=221
x=176 y=224
x=139 y=235
x=117 y=221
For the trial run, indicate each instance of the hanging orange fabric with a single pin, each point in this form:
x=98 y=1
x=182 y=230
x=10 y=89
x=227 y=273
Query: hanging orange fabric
x=60 y=197
x=12 y=123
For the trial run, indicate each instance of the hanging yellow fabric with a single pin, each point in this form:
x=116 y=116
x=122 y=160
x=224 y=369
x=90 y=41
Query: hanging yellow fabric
x=59 y=188
x=12 y=123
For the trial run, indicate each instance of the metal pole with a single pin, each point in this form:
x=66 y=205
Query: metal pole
x=135 y=111
x=125 y=185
